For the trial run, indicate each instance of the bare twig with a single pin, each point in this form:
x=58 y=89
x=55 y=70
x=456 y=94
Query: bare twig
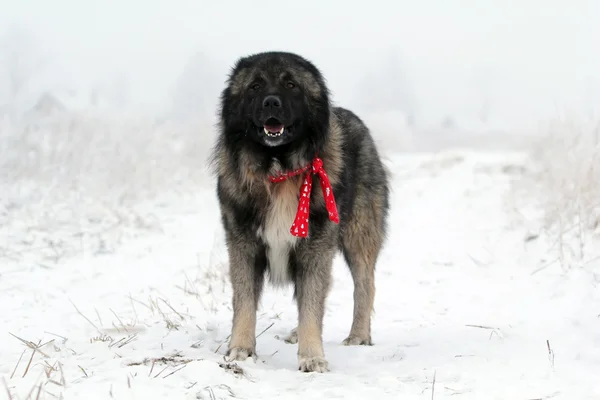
x=98 y=315
x=31 y=391
x=17 y=366
x=49 y=369
x=433 y=385
x=59 y=336
x=134 y=310
x=543 y=267
x=550 y=354
x=62 y=374
x=86 y=318
x=266 y=329
x=37 y=397
x=125 y=340
x=223 y=342
x=171 y=307
x=480 y=326
x=119 y=319
x=151 y=368
x=130 y=339
x=7 y=389
x=29 y=364
x=141 y=303
x=178 y=369
x=490 y=328
x=161 y=371
x=170 y=324
x=212 y=393
x=31 y=345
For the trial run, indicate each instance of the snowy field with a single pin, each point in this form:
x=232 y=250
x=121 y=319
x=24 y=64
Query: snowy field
x=113 y=271
x=474 y=300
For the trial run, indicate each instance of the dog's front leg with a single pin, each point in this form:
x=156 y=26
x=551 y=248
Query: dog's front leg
x=313 y=278
x=246 y=268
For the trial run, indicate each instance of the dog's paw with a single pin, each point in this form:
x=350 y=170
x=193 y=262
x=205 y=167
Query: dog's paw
x=357 y=341
x=292 y=338
x=313 y=364
x=240 y=354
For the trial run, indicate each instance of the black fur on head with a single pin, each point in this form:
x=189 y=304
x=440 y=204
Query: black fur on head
x=275 y=104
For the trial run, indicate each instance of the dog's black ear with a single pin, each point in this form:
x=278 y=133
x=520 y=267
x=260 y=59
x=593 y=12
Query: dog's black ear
x=317 y=121
x=230 y=111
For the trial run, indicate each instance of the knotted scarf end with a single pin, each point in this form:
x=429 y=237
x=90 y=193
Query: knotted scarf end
x=300 y=226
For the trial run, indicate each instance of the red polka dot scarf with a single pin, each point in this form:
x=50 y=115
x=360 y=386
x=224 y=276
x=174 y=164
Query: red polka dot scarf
x=300 y=226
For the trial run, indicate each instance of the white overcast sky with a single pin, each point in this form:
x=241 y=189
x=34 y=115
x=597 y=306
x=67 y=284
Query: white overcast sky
x=534 y=56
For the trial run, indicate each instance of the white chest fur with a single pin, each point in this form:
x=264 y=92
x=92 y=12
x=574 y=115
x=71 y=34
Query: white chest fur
x=276 y=231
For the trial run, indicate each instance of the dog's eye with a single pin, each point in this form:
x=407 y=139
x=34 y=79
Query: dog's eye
x=290 y=85
x=255 y=86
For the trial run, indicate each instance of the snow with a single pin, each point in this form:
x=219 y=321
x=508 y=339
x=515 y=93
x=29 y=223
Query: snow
x=111 y=250
x=465 y=307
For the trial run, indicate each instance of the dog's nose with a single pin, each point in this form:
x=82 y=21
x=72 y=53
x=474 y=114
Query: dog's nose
x=272 y=101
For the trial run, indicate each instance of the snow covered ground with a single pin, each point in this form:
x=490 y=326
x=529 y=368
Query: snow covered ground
x=467 y=307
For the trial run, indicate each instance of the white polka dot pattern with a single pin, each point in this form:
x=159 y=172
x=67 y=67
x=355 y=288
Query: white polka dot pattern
x=300 y=226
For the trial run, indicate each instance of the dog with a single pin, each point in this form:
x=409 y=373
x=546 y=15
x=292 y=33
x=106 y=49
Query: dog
x=278 y=133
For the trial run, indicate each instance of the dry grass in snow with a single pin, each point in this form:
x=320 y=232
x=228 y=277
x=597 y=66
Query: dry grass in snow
x=563 y=186
x=72 y=182
x=114 y=283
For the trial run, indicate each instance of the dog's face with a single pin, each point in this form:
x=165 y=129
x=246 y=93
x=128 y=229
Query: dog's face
x=275 y=99
x=275 y=103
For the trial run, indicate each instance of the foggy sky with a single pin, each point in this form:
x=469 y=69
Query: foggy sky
x=524 y=59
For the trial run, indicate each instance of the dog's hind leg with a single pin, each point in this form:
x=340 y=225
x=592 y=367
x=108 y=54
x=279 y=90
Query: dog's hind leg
x=292 y=338
x=362 y=242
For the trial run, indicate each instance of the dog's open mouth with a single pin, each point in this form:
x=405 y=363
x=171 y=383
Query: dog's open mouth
x=273 y=128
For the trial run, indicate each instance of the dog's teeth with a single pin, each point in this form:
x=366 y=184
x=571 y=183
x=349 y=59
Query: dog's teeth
x=266 y=131
x=281 y=130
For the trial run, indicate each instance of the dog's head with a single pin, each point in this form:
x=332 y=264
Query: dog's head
x=275 y=99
